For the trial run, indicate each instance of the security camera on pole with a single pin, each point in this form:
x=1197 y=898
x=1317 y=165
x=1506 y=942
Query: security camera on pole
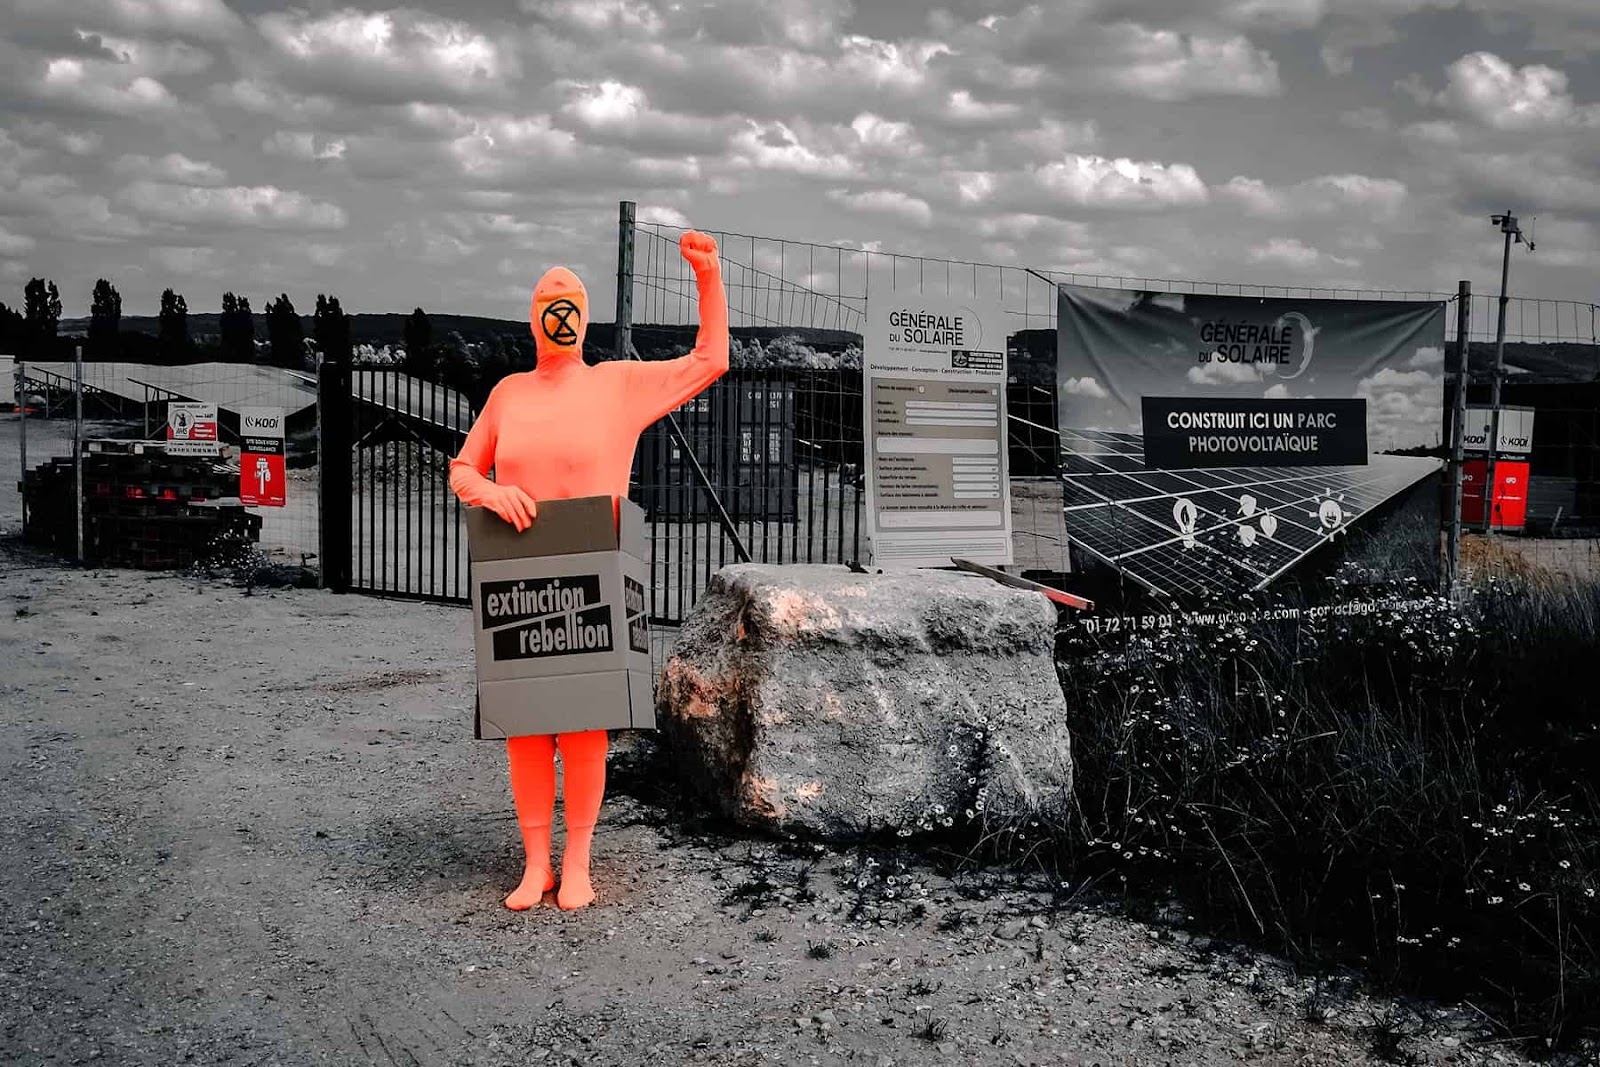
x=1508 y=226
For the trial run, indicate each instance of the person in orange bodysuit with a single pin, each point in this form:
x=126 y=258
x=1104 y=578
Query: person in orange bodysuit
x=566 y=429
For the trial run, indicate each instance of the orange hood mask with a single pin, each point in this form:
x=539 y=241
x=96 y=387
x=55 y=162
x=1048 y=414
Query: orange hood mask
x=559 y=317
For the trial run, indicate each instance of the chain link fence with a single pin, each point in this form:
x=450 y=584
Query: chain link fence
x=798 y=309
x=787 y=420
x=779 y=439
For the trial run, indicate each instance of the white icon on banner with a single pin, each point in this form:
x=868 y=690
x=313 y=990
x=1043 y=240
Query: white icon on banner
x=1268 y=521
x=1330 y=513
x=263 y=474
x=1186 y=515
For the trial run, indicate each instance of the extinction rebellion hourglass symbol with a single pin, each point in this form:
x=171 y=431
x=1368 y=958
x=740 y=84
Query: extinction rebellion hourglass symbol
x=556 y=321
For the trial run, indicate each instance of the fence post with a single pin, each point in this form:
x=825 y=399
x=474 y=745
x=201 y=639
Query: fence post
x=77 y=442
x=1457 y=434
x=22 y=435
x=624 y=324
x=626 y=350
x=335 y=413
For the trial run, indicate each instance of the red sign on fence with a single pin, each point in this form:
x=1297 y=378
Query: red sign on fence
x=261 y=470
x=1510 y=494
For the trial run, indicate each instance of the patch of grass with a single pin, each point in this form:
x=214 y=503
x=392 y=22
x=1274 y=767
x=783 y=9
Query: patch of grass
x=1388 y=1036
x=932 y=1030
x=955 y=920
x=1326 y=996
x=764 y=886
x=819 y=950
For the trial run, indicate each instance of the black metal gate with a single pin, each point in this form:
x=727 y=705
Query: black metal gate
x=387 y=442
x=781 y=450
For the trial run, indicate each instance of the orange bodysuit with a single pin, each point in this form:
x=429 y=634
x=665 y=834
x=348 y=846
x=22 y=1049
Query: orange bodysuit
x=567 y=429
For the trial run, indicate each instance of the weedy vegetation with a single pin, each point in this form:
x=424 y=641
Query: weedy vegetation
x=1410 y=788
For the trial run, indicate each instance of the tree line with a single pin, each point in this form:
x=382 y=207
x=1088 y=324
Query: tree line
x=34 y=333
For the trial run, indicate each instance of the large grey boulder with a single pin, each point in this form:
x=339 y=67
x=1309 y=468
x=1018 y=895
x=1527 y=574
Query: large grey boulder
x=813 y=699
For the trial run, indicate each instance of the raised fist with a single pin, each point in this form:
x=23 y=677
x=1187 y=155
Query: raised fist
x=700 y=249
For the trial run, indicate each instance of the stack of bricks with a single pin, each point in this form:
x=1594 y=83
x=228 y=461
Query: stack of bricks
x=141 y=508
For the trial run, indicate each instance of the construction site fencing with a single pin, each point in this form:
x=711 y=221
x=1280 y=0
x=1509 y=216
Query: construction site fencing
x=796 y=304
x=102 y=426
x=768 y=464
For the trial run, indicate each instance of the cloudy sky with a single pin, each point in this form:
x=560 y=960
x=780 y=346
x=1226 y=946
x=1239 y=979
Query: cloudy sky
x=445 y=155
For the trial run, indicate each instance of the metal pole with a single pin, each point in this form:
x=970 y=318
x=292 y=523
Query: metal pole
x=77 y=440
x=22 y=434
x=625 y=350
x=624 y=324
x=1489 y=487
x=322 y=487
x=1458 y=434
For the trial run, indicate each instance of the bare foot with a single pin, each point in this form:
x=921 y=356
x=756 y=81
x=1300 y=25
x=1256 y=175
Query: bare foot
x=576 y=892
x=536 y=882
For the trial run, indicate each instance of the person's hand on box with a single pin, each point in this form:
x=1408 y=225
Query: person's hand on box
x=512 y=504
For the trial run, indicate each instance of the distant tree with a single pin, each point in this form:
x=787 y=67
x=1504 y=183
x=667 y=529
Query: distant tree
x=136 y=346
x=493 y=363
x=285 y=336
x=237 y=326
x=13 y=332
x=521 y=354
x=105 y=318
x=331 y=327
x=173 y=338
x=418 y=336
x=421 y=362
x=42 y=312
x=454 y=363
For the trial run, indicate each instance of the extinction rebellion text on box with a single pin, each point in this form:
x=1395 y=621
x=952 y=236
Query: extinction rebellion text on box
x=1187 y=432
x=1115 y=624
x=633 y=606
x=539 y=617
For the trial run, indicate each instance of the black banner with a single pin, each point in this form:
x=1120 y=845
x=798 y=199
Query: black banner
x=1189 y=432
x=576 y=633
x=507 y=602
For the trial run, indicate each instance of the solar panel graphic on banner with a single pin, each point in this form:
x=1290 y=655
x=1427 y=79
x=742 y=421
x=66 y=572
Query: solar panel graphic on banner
x=1191 y=532
x=1237 y=398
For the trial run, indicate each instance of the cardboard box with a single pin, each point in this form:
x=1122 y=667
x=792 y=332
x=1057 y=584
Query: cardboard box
x=561 y=620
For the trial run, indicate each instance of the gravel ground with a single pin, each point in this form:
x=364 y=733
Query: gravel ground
x=254 y=829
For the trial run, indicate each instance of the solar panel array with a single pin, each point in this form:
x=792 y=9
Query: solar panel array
x=1189 y=532
x=230 y=386
x=414 y=398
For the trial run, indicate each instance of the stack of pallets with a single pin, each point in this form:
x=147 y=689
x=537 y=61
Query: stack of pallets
x=141 y=508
